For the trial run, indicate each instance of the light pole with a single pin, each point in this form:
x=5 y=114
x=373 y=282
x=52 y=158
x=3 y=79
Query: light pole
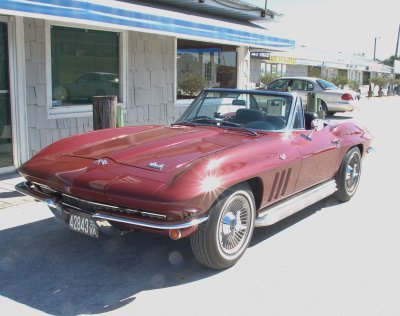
x=376 y=38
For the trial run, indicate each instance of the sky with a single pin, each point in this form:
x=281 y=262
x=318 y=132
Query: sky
x=348 y=26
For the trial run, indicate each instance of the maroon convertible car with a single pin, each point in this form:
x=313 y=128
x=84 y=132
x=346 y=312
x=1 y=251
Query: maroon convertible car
x=235 y=160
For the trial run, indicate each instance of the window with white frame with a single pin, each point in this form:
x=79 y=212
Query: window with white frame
x=84 y=63
x=202 y=64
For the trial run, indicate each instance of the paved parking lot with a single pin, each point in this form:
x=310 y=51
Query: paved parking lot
x=330 y=259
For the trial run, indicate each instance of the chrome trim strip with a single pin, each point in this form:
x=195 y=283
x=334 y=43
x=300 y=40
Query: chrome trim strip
x=192 y=223
x=24 y=188
x=44 y=186
x=281 y=210
x=90 y=202
x=143 y=213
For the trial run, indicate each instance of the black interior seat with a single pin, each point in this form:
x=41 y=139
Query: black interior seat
x=244 y=116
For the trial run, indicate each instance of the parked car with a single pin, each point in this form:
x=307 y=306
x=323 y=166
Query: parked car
x=333 y=99
x=235 y=160
x=88 y=85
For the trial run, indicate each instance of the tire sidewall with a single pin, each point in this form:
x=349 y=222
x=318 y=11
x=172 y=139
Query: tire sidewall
x=216 y=213
x=343 y=193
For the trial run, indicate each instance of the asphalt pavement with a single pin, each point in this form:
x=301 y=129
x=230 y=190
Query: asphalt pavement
x=330 y=259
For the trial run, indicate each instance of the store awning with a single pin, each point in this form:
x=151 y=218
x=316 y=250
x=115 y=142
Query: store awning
x=128 y=16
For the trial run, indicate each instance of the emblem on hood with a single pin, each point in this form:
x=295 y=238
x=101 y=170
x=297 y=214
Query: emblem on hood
x=155 y=165
x=101 y=162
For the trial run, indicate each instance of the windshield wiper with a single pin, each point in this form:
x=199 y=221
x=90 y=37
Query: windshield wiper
x=219 y=123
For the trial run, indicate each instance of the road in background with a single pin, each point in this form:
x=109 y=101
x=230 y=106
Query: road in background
x=329 y=259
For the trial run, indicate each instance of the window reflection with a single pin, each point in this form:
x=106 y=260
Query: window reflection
x=203 y=65
x=84 y=63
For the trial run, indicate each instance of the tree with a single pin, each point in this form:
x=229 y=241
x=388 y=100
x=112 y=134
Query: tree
x=267 y=78
x=390 y=61
x=340 y=81
x=354 y=85
x=381 y=82
x=191 y=84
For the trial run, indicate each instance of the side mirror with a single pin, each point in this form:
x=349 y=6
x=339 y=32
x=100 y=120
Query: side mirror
x=317 y=125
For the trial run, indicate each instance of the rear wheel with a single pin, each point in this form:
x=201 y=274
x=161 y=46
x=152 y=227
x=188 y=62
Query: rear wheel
x=324 y=108
x=349 y=175
x=223 y=238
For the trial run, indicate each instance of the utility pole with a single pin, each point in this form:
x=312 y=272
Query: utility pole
x=375 y=48
x=397 y=44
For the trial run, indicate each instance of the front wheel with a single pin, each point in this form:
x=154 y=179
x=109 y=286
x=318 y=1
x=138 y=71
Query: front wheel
x=349 y=175
x=223 y=238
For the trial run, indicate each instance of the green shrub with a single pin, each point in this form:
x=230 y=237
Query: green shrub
x=340 y=81
x=267 y=78
x=354 y=85
x=381 y=82
x=191 y=84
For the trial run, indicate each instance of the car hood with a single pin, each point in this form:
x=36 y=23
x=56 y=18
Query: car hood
x=160 y=149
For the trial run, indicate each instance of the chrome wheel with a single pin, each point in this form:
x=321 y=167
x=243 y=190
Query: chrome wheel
x=233 y=226
x=353 y=173
x=349 y=174
x=223 y=238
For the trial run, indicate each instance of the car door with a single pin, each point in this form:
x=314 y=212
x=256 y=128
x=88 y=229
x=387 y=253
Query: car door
x=279 y=85
x=284 y=164
x=321 y=155
x=280 y=154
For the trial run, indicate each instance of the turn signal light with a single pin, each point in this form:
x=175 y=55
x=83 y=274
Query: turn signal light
x=347 y=97
x=175 y=234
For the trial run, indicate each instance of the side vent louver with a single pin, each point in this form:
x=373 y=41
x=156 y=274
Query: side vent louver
x=279 y=186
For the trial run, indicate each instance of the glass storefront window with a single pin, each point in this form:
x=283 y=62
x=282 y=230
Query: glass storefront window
x=204 y=65
x=84 y=63
x=6 y=153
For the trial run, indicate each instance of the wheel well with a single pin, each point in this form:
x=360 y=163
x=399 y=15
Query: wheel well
x=361 y=148
x=256 y=186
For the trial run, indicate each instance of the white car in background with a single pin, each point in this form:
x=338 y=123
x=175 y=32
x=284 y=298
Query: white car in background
x=333 y=99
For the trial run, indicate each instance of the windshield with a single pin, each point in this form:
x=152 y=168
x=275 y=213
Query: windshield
x=264 y=111
x=326 y=85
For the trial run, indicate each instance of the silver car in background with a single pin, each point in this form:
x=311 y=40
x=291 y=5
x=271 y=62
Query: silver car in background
x=333 y=99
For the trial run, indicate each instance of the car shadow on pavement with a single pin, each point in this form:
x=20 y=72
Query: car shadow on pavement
x=51 y=269
x=10 y=194
x=262 y=233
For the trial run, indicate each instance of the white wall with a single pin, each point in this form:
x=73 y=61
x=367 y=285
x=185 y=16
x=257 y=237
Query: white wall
x=296 y=71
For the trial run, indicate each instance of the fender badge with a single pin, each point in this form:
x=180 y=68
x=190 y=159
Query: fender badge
x=155 y=165
x=101 y=162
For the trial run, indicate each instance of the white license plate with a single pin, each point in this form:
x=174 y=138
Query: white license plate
x=83 y=223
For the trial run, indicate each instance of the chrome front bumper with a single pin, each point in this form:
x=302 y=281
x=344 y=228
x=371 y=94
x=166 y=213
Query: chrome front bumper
x=55 y=203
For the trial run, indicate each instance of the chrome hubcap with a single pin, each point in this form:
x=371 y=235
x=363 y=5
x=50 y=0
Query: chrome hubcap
x=233 y=227
x=352 y=173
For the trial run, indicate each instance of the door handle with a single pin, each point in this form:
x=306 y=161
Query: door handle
x=336 y=141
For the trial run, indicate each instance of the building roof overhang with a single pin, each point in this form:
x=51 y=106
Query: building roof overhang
x=128 y=16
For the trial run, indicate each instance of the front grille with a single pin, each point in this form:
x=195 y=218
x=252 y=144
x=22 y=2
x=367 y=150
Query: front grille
x=86 y=206
x=94 y=207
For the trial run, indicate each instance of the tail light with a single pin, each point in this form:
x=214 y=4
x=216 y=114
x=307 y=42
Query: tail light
x=347 y=97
